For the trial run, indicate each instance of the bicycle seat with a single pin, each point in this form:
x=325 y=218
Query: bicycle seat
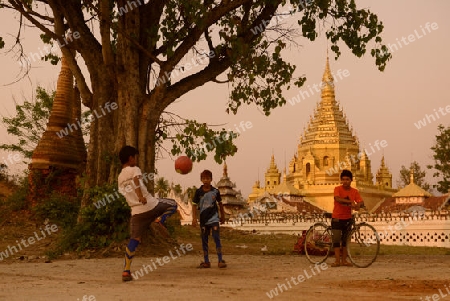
x=327 y=215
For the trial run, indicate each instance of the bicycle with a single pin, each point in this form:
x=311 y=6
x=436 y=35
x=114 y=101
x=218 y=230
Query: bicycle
x=363 y=242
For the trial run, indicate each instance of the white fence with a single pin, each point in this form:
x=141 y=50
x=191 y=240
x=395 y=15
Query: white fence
x=426 y=229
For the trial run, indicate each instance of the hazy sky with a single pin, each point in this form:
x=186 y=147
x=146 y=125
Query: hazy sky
x=379 y=105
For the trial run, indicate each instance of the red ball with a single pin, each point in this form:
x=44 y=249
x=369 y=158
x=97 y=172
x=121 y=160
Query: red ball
x=183 y=165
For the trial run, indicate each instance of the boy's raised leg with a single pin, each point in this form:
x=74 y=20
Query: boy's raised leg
x=169 y=209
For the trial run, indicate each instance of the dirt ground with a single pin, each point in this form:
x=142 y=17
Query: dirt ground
x=28 y=276
x=247 y=277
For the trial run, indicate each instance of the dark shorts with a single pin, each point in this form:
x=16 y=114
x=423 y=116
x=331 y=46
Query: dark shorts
x=341 y=224
x=141 y=222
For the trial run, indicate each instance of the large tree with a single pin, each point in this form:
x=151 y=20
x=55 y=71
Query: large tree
x=418 y=175
x=140 y=55
x=441 y=158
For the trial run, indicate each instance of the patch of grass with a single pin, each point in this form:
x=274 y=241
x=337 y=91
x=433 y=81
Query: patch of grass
x=238 y=242
x=59 y=209
x=18 y=199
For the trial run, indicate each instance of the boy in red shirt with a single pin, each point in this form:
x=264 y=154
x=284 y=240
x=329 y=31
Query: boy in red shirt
x=346 y=198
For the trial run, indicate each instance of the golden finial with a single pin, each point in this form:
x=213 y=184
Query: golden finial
x=327 y=77
x=272 y=162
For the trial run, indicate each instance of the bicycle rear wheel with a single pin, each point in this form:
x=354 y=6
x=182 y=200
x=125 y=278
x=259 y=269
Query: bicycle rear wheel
x=363 y=245
x=318 y=243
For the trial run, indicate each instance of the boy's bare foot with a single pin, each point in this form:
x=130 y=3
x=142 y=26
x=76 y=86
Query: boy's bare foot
x=335 y=264
x=346 y=264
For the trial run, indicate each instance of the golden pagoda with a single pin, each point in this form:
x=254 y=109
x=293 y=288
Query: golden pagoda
x=326 y=147
x=384 y=177
x=272 y=175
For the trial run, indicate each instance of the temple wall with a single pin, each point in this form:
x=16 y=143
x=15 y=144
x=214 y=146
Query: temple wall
x=430 y=229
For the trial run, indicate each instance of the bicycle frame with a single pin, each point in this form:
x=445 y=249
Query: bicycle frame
x=362 y=248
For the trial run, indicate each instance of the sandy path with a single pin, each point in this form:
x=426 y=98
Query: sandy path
x=246 y=278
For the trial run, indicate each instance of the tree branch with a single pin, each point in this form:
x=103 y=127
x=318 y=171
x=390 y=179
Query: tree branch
x=218 y=64
x=189 y=42
x=69 y=54
x=19 y=7
x=215 y=68
x=105 y=32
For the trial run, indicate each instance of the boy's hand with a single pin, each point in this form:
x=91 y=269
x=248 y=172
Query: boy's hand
x=358 y=207
x=143 y=200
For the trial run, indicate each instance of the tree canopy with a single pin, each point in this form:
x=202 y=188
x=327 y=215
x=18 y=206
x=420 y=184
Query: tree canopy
x=144 y=55
x=29 y=122
x=418 y=174
x=441 y=158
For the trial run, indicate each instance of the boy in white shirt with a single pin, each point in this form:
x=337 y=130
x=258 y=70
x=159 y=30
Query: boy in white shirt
x=145 y=208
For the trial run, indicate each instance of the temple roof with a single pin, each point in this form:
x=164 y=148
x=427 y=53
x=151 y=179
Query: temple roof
x=433 y=203
x=328 y=123
x=411 y=190
x=225 y=181
x=303 y=206
x=226 y=188
x=285 y=188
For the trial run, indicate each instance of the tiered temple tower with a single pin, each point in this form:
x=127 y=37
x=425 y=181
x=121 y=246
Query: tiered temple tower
x=60 y=151
x=384 y=177
x=327 y=146
x=232 y=200
x=272 y=175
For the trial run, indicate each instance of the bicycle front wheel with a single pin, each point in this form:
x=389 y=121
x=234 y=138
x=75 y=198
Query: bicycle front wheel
x=363 y=245
x=318 y=243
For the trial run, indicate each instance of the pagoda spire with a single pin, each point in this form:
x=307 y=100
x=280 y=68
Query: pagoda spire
x=327 y=76
x=384 y=176
x=272 y=163
x=411 y=175
x=328 y=82
x=328 y=125
x=60 y=144
x=272 y=174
